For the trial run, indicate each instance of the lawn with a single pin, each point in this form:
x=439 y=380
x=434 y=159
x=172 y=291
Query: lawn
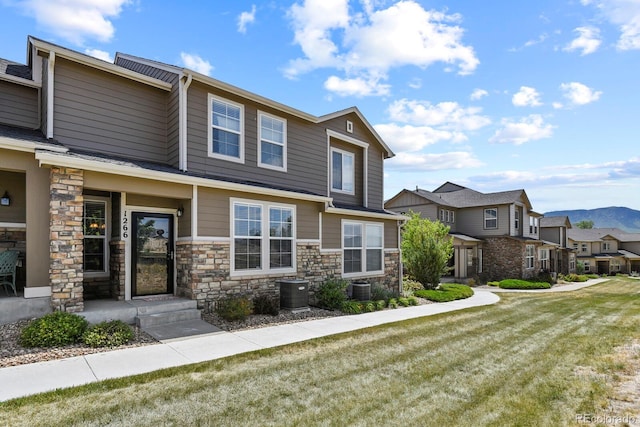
x=540 y=359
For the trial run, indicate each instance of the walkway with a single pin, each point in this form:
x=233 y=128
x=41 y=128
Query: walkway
x=24 y=380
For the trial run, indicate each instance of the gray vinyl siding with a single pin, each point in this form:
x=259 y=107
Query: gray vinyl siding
x=408 y=202
x=631 y=247
x=332 y=230
x=18 y=105
x=306 y=146
x=96 y=111
x=551 y=234
x=173 y=105
x=470 y=221
x=214 y=209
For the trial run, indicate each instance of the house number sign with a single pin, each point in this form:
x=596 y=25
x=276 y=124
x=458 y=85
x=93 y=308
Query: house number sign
x=125 y=226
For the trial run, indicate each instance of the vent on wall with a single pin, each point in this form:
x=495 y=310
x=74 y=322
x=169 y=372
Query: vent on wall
x=349 y=126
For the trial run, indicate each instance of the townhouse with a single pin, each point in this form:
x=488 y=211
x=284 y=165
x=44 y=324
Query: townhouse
x=136 y=178
x=606 y=250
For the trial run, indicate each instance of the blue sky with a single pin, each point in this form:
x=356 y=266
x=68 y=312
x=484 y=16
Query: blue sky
x=540 y=95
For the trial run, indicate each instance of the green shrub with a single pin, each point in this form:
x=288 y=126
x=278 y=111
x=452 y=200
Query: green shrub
x=412 y=300
x=381 y=304
x=108 y=334
x=54 y=329
x=351 y=307
x=523 y=284
x=446 y=292
x=393 y=303
x=234 y=308
x=403 y=301
x=266 y=304
x=332 y=294
x=495 y=283
x=369 y=307
x=573 y=277
x=378 y=293
x=592 y=276
x=409 y=286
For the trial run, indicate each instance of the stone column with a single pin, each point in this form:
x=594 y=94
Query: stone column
x=66 y=239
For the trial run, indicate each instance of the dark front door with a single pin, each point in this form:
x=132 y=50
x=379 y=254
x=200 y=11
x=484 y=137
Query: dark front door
x=152 y=254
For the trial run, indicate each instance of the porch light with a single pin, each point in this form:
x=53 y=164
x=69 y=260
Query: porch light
x=180 y=211
x=5 y=200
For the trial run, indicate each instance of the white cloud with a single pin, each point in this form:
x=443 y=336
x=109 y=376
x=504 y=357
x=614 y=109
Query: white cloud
x=430 y=162
x=408 y=138
x=526 y=97
x=372 y=42
x=529 y=128
x=588 y=40
x=530 y=43
x=626 y=15
x=356 y=87
x=477 y=94
x=196 y=63
x=75 y=20
x=445 y=115
x=579 y=94
x=100 y=54
x=246 y=18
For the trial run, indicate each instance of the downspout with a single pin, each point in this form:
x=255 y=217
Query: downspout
x=50 y=67
x=182 y=138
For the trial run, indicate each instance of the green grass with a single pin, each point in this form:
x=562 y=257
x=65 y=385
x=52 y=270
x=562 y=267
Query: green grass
x=530 y=360
x=522 y=284
x=446 y=292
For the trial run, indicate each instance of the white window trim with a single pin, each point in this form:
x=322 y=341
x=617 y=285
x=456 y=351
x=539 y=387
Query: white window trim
x=106 y=237
x=543 y=256
x=531 y=256
x=353 y=178
x=491 y=219
x=210 y=152
x=606 y=246
x=284 y=142
x=265 y=270
x=364 y=272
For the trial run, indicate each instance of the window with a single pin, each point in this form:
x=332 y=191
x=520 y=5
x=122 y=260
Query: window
x=575 y=245
x=572 y=262
x=516 y=220
x=273 y=142
x=529 y=256
x=95 y=236
x=263 y=237
x=533 y=225
x=342 y=171
x=362 y=245
x=491 y=218
x=615 y=265
x=453 y=216
x=442 y=215
x=544 y=259
x=226 y=139
x=606 y=246
x=587 y=266
x=584 y=247
x=469 y=257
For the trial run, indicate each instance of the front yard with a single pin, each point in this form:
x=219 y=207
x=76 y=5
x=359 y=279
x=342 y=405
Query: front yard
x=532 y=359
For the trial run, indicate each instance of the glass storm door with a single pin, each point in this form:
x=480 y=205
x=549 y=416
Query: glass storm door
x=152 y=254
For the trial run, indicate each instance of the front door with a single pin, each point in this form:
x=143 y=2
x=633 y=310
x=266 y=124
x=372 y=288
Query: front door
x=152 y=254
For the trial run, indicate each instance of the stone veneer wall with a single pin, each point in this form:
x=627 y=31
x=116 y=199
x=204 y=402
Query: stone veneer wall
x=117 y=269
x=203 y=272
x=504 y=258
x=66 y=239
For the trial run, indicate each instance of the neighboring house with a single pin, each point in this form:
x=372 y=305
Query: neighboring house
x=496 y=235
x=140 y=178
x=554 y=229
x=606 y=250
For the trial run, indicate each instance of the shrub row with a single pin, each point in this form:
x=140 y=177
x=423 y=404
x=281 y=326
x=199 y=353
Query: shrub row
x=61 y=328
x=445 y=292
x=523 y=284
x=238 y=308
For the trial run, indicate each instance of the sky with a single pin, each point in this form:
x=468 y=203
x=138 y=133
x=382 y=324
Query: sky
x=501 y=95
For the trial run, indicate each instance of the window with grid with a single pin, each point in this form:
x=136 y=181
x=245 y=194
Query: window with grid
x=491 y=218
x=226 y=129
x=516 y=220
x=529 y=256
x=273 y=137
x=606 y=246
x=544 y=259
x=95 y=236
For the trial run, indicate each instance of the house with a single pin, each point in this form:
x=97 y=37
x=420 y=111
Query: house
x=554 y=229
x=495 y=235
x=137 y=178
x=606 y=250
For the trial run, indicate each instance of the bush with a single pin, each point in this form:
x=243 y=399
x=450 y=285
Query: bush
x=381 y=304
x=403 y=301
x=393 y=303
x=332 y=294
x=234 y=308
x=573 y=277
x=54 y=329
x=108 y=334
x=446 y=292
x=493 y=283
x=409 y=286
x=523 y=284
x=378 y=293
x=265 y=304
x=351 y=307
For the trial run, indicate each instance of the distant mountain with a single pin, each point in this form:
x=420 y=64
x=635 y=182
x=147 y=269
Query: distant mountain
x=617 y=217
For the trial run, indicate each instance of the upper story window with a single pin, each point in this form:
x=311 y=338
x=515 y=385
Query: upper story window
x=95 y=237
x=362 y=245
x=516 y=220
x=226 y=130
x=447 y=216
x=575 y=245
x=491 y=218
x=606 y=246
x=533 y=225
x=342 y=171
x=273 y=142
x=584 y=248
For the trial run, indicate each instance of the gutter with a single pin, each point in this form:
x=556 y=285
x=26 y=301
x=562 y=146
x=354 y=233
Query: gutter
x=182 y=121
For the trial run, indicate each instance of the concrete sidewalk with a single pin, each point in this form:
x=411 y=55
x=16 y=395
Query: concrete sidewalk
x=24 y=380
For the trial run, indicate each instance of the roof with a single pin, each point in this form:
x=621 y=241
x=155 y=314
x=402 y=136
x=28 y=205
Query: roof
x=181 y=71
x=464 y=237
x=593 y=234
x=15 y=69
x=29 y=137
x=555 y=221
x=462 y=197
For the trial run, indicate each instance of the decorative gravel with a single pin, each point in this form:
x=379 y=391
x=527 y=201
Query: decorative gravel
x=13 y=354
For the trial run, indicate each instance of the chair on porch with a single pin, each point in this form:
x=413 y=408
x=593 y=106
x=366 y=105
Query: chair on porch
x=8 y=263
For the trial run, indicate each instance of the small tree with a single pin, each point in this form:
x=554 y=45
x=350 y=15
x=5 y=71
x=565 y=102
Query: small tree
x=586 y=224
x=426 y=249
